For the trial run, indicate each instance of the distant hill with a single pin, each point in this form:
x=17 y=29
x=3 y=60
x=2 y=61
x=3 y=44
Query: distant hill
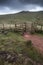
x=23 y=16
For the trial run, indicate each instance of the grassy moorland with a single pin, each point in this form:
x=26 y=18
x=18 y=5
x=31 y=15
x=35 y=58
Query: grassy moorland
x=14 y=49
x=23 y=16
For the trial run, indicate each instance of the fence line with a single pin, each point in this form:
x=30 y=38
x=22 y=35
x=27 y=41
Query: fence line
x=21 y=26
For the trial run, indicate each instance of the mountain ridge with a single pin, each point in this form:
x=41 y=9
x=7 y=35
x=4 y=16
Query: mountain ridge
x=21 y=17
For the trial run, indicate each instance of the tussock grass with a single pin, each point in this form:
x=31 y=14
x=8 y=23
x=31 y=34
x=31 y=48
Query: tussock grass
x=14 y=42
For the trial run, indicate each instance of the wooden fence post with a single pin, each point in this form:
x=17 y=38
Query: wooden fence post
x=25 y=29
x=41 y=27
x=15 y=25
x=3 y=26
x=32 y=28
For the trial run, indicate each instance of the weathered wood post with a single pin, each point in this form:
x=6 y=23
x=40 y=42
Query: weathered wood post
x=25 y=28
x=32 y=28
x=41 y=27
x=15 y=27
x=10 y=26
x=3 y=26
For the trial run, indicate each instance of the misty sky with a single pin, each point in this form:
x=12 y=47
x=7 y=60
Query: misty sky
x=14 y=6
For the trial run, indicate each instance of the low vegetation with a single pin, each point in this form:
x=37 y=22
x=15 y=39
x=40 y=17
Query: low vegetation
x=14 y=50
x=22 y=17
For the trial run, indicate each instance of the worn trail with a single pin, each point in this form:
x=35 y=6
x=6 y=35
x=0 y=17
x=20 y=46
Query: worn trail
x=36 y=40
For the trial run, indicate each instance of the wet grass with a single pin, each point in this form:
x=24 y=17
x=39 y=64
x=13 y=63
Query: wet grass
x=15 y=42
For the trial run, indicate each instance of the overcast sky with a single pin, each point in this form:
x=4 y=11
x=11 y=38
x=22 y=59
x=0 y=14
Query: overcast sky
x=14 y=6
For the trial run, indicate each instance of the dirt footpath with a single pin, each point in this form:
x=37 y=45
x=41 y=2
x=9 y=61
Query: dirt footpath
x=36 y=40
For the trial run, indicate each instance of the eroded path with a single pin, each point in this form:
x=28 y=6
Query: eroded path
x=36 y=40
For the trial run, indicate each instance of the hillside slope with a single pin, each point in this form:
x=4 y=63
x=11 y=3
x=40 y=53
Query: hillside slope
x=23 y=16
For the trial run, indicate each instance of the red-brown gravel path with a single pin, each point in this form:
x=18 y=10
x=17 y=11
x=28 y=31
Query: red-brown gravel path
x=36 y=40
